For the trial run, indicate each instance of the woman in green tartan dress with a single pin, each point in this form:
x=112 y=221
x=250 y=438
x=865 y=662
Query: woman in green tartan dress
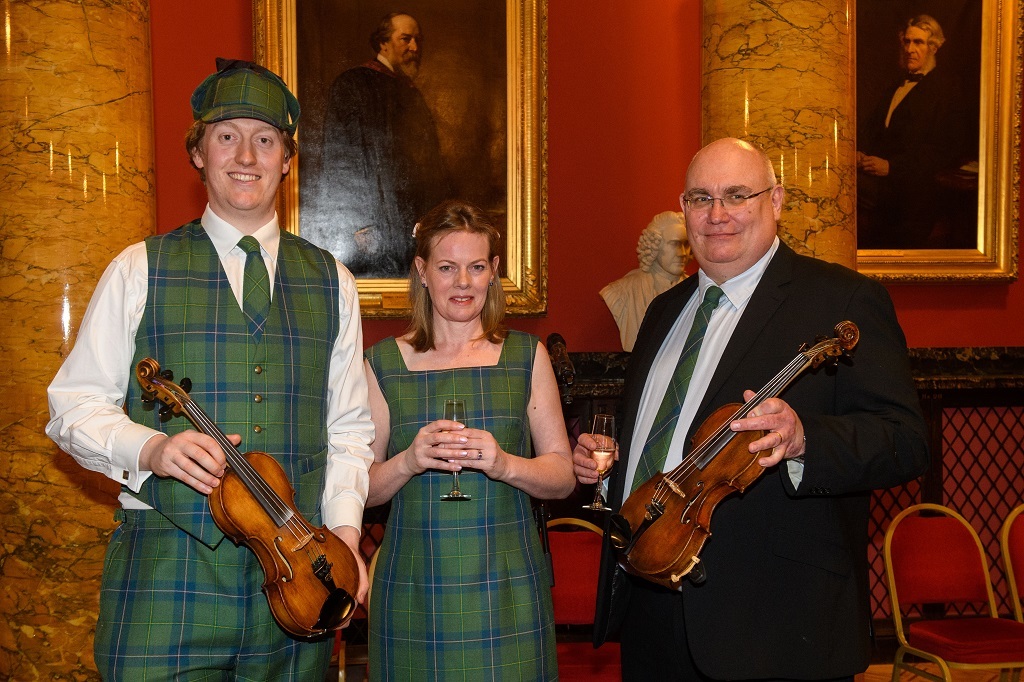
x=461 y=589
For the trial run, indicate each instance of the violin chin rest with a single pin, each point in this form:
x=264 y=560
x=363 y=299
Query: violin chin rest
x=697 y=574
x=336 y=611
x=619 y=532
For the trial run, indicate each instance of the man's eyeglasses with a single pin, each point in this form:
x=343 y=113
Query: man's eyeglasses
x=704 y=202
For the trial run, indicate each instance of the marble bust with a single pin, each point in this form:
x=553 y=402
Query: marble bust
x=664 y=252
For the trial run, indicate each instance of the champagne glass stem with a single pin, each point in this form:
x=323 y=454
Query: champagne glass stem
x=597 y=493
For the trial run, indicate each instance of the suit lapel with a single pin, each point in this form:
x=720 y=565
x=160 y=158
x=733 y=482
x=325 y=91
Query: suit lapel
x=661 y=324
x=661 y=315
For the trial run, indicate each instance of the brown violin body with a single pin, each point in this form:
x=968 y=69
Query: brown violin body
x=668 y=548
x=662 y=526
x=311 y=575
x=308 y=595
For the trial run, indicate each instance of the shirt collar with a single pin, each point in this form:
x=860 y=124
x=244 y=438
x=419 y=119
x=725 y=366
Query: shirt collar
x=384 y=60
x=225 y=236
x=740 y=288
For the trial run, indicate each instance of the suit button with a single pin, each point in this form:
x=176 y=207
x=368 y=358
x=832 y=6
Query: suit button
x=258 y=369
x=257 y=429
x=257 y=398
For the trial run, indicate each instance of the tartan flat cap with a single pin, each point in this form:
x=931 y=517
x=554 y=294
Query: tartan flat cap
x=241 y=89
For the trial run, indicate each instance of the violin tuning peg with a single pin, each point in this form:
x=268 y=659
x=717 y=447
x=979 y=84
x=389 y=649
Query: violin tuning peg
x=167 y=374
x=186 y=385
x=165 y=413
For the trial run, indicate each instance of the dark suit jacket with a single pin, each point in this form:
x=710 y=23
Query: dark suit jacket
x=787 y=590
x=922 y=138
x=383 y=160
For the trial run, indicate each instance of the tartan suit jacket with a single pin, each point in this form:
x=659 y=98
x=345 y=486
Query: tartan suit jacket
x=273 y=393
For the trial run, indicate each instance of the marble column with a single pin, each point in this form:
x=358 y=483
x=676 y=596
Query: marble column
x=76 y=187
x=780 y=73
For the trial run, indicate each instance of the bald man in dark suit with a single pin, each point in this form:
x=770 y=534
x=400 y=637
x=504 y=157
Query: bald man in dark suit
x=785 y=594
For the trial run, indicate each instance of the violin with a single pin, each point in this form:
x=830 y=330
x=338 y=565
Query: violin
x=311 y=575
x=662 y=526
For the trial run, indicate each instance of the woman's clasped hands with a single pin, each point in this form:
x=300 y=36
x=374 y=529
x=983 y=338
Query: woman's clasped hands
x=445 y=445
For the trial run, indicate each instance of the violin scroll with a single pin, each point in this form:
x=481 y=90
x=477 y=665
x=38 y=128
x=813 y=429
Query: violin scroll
x=848 y=334
x=846 y=337
x=158 y=385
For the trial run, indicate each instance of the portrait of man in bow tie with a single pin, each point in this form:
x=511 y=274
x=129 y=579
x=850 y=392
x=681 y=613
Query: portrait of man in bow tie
x=912 y=145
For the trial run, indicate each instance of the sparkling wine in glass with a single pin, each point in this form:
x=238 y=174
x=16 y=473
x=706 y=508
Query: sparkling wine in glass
x=455 y=410
x=603 y=432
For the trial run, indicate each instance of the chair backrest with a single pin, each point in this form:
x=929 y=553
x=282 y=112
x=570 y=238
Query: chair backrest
x=1011 y=538
x=370 y=568
x=934 y=559
x=576 y=558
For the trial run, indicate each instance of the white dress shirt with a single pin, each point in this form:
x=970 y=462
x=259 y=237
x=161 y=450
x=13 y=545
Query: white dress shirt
x=87 y=395
x=724 y=319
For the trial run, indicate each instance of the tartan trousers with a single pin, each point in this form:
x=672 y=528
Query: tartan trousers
x=171 y=608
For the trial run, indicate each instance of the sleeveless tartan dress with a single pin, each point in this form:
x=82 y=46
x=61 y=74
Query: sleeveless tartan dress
x=461 y=590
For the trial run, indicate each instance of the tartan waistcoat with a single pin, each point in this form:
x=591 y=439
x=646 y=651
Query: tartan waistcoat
x=273 y=393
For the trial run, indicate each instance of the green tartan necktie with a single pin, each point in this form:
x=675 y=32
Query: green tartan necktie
x=652 y=457
x=256 y=288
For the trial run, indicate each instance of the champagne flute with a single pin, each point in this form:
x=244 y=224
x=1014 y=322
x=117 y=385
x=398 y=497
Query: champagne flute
x=603 y=432
x=455 y=410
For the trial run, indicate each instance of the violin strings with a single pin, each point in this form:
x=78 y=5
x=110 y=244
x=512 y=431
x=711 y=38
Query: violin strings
x=690 y=462
x=260 y=489
x=250 y=477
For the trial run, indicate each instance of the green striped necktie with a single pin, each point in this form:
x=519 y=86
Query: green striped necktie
x=652 y=457
x=256 y=288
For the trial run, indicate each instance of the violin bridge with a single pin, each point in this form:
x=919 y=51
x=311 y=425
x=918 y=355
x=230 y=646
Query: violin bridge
x=303 y=541
x=675 y=488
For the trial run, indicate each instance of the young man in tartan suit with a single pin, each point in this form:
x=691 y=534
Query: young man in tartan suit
x=177 y=600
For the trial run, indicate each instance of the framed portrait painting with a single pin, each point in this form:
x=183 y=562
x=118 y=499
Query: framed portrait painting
x=938 y=141
x=400 y=112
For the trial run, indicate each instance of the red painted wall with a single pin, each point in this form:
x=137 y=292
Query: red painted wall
x=623 y=120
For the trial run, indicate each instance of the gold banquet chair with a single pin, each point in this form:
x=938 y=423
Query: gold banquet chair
x=1011 y=539
x=338 y=656
x=576 y=559
x=937 y=558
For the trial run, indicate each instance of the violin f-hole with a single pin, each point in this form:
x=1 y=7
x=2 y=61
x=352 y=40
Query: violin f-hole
x=698 y=489
x=284 y=561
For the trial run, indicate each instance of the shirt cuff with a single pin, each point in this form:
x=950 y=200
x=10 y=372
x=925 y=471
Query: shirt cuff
x=124 y=465
x=795 y=468
x=343 y=511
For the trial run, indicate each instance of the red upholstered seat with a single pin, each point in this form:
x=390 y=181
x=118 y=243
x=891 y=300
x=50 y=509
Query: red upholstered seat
x=575 y=556
x=934 y=556
x=970 y=640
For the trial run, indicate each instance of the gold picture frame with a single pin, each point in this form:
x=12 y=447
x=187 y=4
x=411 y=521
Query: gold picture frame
x=276 y=38
x=995 y=258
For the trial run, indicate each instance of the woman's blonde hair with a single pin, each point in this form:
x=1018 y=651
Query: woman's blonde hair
x=450 y=216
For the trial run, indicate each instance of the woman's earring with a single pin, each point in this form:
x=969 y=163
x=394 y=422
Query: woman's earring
x=423 y=284
x=491 y=283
